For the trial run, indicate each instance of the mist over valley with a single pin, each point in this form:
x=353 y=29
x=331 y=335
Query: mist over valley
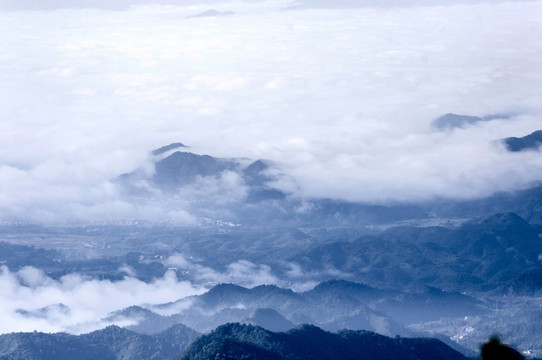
x=258 y=178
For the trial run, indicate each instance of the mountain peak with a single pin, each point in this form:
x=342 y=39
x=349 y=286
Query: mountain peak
x=181 y=168
x=270 y=319
x=225 y=288
x=167 y=148
x=532 y=141
x=335 y=284
x=451 y=121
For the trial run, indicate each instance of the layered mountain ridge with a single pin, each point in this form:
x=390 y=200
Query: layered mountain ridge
x=246 y=191
x=111 y=343
x=229 y=341
x=236 y=341
x=439 y=267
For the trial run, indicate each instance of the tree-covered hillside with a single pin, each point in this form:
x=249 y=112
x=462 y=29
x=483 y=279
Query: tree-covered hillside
x=235 y=341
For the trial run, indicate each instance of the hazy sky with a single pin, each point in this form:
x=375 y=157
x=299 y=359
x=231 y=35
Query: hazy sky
x=343 y=98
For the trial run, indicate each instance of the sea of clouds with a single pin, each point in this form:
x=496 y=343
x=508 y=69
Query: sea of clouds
x=31 y=300
x=342 y=98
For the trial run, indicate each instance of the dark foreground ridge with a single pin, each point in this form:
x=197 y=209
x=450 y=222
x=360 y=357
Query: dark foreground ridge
x=236 y=341
x=111 y=343
x=230 y=341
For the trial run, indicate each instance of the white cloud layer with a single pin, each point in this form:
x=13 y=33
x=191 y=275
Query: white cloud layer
x=33 y=301
x=343 y=97
x=242 y=272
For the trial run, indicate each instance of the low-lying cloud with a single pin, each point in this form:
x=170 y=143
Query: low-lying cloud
x=33 y=301
x=248 y=274
x=242 y=272
x=343 y=98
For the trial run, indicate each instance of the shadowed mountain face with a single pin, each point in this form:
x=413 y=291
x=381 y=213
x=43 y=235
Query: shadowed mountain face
x=480 y=255
x=332 y=305
x=181 y=168
x=111 y=343
x=148 y=322
x=235 y=341
x=269 y=319
x=528 y=142
x=40 y=346
x=526 y=203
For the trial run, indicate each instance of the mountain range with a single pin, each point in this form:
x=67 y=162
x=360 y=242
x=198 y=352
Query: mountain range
x=481 y=255
x=229 y=341
x=236 y=341
x=247 y=191
x=453 y=269
x=111 y=343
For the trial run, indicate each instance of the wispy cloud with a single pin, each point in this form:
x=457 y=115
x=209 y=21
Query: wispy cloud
x=242 y=272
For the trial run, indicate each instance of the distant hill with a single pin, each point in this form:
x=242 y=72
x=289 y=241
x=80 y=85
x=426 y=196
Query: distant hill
x=261 y=201
x=17 y=256
x=480 y=255
x=332 y=305
x=269 y=319
x=532 y=141
x=40 y=346
x=211 y=13
x=111 y=343
x=175 y=169
x=235 y=341
x=451 y=121
x=164 y=149
x=526 y=203
x=181 y=168
x=148 y=322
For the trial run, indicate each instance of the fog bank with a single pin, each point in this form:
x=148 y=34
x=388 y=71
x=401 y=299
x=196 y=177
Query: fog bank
x=342 y=98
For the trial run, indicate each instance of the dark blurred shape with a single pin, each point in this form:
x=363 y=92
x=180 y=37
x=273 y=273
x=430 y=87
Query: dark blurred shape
x=211 y=13
x=167 y=148
x=495 y=350
x=452 y=121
